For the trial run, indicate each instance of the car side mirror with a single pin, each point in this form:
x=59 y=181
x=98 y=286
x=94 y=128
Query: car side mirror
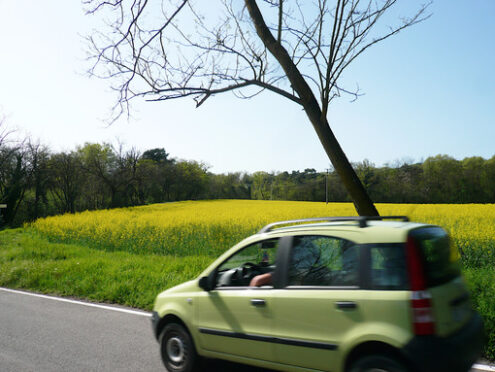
x=205 y=283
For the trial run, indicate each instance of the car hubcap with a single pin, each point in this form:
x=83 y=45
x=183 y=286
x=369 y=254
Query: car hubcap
x=175 y=350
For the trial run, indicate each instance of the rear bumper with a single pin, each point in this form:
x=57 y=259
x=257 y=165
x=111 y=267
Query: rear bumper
x=456 y=353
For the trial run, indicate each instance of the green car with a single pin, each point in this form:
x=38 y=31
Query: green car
x=326 y=294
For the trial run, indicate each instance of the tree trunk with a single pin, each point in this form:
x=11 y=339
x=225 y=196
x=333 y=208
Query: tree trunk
x=362 y=202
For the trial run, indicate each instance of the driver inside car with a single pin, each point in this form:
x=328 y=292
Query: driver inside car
x=262 y=279
x=305 y=263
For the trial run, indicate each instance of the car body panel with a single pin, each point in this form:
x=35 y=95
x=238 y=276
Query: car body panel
x=229 y=323
x=379 y=315
x=179 y=301
x=451 y=306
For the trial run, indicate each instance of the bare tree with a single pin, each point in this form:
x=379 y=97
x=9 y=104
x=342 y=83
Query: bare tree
x=67 y=180
x=7 y=146
x=37 y=158
x=171 y=49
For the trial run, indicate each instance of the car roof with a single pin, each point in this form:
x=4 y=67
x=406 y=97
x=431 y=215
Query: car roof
x=373 y=231
x=330 y=225
x=359 y=221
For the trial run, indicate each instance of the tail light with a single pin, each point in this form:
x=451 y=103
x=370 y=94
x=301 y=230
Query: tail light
x=423 y=321
x=422 y=311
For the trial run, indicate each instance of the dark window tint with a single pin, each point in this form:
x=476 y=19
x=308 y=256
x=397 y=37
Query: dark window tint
x=388 y=266
x=440 y=258
x=323 y=261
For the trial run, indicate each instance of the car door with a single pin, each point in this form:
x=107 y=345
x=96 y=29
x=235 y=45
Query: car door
x=319 y=303
x=234 y=318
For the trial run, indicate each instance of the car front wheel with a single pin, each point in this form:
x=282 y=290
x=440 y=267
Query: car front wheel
x=177 y=349
x=377 y=363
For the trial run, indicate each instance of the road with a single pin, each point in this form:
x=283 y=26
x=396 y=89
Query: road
x=50 y=334
x=44 y=334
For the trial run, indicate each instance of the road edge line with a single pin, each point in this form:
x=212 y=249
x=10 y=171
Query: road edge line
x=88 y=304
x=483 y=367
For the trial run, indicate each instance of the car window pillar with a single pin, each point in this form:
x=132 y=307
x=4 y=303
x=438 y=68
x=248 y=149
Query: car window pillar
x=281 y=274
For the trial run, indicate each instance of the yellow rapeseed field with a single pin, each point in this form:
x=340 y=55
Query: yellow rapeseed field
x=210 y=227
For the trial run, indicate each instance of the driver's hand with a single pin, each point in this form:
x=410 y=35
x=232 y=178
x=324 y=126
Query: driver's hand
x=259 y=280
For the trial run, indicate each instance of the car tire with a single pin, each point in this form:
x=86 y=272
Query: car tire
x=377 y=363
x=177 y=349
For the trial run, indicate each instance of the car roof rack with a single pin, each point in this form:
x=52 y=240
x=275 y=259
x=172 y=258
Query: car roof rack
x=363 y=221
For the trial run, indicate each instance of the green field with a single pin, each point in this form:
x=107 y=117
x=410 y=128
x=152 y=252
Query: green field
x=127 y=256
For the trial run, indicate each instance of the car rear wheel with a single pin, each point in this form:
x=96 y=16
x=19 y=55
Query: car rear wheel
x=177 y=349
x=377 y=363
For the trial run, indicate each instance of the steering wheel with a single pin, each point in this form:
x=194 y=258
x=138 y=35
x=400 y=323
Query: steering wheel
x=247 y=271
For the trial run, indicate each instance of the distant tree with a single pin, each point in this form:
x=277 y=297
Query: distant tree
x=281 y=186
x=6 y=147
x=37 y=157
x=442 y=179
x=158 y=155
x=191 y=180
x=402 y=183
x=228 y=186
x=114 y=169
x=471 y=188
x=13 y=174
x=155 y=175
x=262 y=186
x=125 y=176
x=66 y=179
x=98 y=163
x=366 y=171
x=296 y=49
x=14 y=182
x=487 y=179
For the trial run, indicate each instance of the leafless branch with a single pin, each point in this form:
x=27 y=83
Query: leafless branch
x=184 y=48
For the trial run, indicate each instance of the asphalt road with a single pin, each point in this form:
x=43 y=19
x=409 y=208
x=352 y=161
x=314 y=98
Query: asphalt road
x=42 y=334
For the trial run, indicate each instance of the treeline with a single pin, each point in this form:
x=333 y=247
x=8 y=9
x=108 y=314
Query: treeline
x=36 y=182
x=438 y=179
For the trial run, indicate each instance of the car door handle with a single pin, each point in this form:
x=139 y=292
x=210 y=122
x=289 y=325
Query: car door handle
x=346 y=305
x=258 y=302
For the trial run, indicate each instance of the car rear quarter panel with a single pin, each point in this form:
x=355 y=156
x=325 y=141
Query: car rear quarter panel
x=386 y=317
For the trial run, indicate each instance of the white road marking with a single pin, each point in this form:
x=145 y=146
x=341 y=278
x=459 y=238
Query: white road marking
x=483 y=367
x=89 y=304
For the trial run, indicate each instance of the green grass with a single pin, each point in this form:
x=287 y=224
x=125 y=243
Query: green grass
x=29 y=261
x=481 y=283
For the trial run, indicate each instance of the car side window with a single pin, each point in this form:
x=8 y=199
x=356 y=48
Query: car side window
x=323 y=261
x=254 y=260
x=388 y=266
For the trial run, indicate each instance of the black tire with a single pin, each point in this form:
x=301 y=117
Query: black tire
x=177 y=349
x=377 y=363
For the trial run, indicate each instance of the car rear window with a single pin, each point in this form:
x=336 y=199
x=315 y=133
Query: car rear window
x=440 y=257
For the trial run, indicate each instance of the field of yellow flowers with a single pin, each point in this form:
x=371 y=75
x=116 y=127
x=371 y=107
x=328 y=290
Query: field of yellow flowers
x=208 y=228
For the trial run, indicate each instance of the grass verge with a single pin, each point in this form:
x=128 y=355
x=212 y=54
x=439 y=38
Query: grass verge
x=31 y=262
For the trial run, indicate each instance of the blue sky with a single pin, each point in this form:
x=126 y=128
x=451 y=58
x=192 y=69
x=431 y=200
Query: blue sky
x=430 y=90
